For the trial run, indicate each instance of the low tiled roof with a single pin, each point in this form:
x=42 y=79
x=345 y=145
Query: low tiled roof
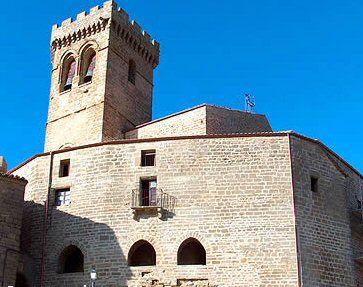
x=12 y=176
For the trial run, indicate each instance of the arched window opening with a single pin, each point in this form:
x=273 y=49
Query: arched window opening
x=142 y=253
x=71 y=260
x=21 y=280
x=191 y=252
x=132 y=71
x=68 y=73
x=88 y=65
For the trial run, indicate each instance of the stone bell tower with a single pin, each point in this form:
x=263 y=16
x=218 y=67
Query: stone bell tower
x=102 y=78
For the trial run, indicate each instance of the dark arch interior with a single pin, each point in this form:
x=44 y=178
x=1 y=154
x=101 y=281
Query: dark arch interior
x=142 y=253
x=191 y=252
x=88 y=65
x=21 y=280
x=68 y=73
x=71 y=260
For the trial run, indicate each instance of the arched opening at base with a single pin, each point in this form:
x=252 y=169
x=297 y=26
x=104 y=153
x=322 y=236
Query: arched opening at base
x=142 y=253
x=71 y=260
x=191 y=252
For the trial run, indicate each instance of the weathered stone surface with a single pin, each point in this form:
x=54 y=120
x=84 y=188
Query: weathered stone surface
x=202 y=120
x=3 y=165
x=245 y=197
x=11 y=212
x=233 y=195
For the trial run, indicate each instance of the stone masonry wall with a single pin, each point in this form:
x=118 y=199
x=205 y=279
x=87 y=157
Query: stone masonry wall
x=202 y=120
x=225 y=121
x=11 y=212
x=192 y=122
x=128 y=104
x=233 y=194
x=323 y=217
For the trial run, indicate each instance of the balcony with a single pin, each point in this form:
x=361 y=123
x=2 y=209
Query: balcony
x=356 y=215
x=152 y=201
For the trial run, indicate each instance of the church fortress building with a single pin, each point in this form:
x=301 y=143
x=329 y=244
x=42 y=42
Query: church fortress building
x=209 y=196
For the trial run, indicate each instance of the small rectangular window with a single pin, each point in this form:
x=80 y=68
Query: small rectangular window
x=64 y=168
x=62 y=196
x=148 y=158
x=314 y=183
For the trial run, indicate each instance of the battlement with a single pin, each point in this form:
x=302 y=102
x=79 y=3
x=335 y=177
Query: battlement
x=98 y=19
x=3 y=165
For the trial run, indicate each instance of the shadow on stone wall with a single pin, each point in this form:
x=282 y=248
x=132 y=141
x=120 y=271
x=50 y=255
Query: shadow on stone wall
x=97 y=241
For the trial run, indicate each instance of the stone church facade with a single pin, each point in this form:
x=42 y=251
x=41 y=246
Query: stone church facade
x=206 y=197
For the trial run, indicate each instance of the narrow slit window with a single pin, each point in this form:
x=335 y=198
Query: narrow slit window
x=62 y=197
x=64 y=168
x=90 y=69
x=68 y=73
x=88 y=66
x=148 y=157
x=132 y=72
x=314 y=183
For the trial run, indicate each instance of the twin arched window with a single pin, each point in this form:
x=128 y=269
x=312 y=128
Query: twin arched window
x=86 y=71
x=191 y=252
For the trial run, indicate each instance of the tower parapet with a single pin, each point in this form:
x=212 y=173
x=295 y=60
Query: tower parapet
x=99 y=18
x=3 y=165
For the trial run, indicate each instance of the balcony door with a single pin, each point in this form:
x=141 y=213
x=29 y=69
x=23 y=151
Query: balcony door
x=148 y=192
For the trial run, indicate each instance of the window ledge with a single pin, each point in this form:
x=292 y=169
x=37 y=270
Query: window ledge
x=85 y=84
x=65 y=92
x=63 y=206
x=141 y=208
x=146 y=268
x=195 y=268
x=71 y=274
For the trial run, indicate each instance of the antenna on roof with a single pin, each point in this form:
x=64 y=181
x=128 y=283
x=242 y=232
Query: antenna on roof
x=250 y=103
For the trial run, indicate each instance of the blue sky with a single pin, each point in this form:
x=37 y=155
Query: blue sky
x=302 y=60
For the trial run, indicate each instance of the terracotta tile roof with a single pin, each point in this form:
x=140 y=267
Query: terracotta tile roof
x=11 y=176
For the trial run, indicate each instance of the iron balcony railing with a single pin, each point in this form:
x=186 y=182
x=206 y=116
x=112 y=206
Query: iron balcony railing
x=152 y=197
x=356 y=207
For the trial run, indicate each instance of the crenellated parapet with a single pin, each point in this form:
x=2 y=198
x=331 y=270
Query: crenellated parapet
x=131 y=33
x=98 y=19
